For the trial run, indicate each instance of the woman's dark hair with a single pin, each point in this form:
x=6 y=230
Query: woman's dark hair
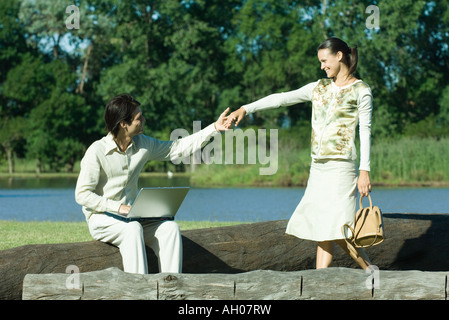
x=120 y=108
x=350 y=56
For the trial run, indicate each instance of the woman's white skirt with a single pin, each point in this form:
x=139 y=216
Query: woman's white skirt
x=328 y=202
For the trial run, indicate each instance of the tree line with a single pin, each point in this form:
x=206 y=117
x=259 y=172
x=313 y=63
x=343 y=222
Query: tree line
x=188 y=60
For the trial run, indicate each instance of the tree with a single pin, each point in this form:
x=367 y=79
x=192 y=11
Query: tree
x=189 y=60
x=12 y=47
x=10 y=133
x=44 y=20
x=273 y=49
x=169 y=59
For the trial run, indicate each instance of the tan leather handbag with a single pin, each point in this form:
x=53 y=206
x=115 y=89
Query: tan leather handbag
x=368 y=227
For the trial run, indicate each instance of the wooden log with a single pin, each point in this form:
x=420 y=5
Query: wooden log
x=412 y=285
x=324 y=284
x=413 y=241
x=51 y=258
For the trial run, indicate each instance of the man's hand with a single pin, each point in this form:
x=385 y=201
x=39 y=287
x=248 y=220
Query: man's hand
x=124 y=209
x=222 y=123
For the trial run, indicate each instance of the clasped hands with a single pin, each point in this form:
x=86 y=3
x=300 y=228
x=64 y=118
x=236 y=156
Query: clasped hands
x=225 y=121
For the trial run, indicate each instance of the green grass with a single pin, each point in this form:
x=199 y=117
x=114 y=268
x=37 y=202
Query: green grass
x=405 y=161
x=411 y=161
x=14 y=233
x=292 y=168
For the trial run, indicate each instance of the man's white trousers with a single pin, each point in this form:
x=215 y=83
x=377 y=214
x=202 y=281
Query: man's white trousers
x=163 y=237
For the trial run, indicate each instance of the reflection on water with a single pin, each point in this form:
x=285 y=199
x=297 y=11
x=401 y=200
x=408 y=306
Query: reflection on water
x=37 y=183
x=70 y=182
x=52 y=199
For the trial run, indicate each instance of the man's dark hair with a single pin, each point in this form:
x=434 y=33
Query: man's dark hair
x=120 y=108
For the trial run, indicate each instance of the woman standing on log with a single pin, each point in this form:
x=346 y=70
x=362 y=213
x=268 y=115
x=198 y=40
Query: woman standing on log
x=108 y=183
x=339 y=103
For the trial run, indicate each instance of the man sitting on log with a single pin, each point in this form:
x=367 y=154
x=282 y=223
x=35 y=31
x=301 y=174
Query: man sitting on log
x=108 y=179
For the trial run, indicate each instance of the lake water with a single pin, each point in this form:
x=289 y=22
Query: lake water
x=52 y=199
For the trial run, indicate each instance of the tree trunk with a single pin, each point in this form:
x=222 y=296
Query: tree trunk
x=9 y=155
x=80 y=88
x=38 y=166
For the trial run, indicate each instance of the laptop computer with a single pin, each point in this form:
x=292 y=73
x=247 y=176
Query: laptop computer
x=154 y=204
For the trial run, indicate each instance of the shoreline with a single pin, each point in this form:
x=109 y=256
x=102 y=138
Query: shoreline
x=74 y=175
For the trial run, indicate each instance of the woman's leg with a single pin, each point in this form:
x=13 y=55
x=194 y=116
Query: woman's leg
x=324 y=254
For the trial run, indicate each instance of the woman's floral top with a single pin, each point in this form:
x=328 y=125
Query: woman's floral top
x=336 y=111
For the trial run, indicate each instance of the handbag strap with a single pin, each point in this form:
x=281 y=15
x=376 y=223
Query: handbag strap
x=370 y=202
x=349 y=243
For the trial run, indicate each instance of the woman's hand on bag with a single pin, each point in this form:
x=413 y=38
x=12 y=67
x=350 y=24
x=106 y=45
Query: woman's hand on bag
x=364 y=183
